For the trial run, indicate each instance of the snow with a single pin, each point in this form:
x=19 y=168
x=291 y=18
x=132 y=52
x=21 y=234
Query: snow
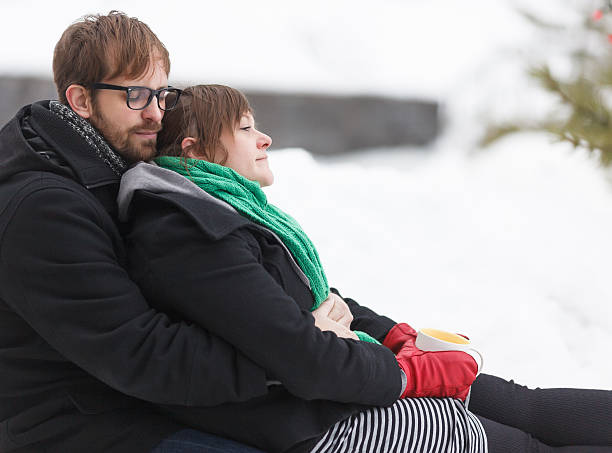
x=508 y=245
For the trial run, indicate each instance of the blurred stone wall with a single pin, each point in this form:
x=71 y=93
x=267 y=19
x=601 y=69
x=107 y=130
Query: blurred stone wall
x=331 y=124
x=319 y=123
x=15 y=92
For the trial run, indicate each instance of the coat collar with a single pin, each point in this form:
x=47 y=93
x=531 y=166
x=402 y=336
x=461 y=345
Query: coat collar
x=88 y=168
x=214 y=216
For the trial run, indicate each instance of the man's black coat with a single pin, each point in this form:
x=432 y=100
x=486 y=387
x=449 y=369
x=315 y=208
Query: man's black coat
x=80 y=349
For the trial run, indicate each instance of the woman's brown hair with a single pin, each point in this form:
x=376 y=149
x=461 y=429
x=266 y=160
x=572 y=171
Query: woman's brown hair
x=203 y=112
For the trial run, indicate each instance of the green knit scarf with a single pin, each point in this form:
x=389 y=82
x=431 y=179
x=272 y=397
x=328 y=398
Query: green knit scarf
x=249 y=200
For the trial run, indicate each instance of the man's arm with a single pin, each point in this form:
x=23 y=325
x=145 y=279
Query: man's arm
x=60 y=273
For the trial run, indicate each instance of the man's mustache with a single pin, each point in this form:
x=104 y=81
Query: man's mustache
x=147 y=127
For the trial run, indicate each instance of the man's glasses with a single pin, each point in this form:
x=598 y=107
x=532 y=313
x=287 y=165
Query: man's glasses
x=138 y=98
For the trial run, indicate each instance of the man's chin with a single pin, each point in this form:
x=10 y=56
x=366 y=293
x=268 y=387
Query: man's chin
x=139 y=151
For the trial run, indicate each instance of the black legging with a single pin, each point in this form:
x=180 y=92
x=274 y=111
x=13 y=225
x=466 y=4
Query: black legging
x=518 y=419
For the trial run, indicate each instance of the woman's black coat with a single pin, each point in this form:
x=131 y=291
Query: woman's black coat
x=205 y=263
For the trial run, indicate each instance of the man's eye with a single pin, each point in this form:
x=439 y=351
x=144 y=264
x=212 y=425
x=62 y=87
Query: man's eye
x=137 y=94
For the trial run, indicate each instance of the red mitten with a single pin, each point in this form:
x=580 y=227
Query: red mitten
x=398 y=335
x=439 y=374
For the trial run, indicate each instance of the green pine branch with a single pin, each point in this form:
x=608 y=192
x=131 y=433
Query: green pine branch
x=583 y=117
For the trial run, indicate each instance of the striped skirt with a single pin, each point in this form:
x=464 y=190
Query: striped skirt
x=410 y=425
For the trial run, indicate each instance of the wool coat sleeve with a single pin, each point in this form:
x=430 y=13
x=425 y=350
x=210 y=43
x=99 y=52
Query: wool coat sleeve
x=367 y=320
x=61 y=274
x=221 y=284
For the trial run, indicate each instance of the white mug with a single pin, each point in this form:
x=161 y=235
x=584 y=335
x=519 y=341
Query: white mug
x=440 y=340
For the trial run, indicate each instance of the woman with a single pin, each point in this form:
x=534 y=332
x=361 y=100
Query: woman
x=205 y=244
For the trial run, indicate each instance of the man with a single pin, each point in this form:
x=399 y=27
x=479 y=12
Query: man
x=83 y=358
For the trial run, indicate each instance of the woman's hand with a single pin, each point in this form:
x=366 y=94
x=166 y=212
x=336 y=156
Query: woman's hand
x=334 y=315
x=399 y=335
x=335 y=309
x=438 y=374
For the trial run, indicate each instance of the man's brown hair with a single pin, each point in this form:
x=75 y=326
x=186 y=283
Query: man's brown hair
x=203 y=112
x=98 y=47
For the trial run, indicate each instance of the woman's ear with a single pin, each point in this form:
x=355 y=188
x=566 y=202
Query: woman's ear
x=187 y=146
x=79 y=100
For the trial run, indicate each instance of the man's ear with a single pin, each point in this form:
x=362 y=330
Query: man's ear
x=188 y=142
x=79 y=99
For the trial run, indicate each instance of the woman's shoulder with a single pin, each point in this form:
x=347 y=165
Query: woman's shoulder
x=149 y=193
x=213 y=219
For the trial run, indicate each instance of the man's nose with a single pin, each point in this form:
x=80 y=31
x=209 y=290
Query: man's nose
x=152 y=112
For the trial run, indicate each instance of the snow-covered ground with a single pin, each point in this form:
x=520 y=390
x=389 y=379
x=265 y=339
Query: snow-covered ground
x=510 y=245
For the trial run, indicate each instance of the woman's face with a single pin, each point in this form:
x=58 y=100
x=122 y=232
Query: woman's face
x=246 y=148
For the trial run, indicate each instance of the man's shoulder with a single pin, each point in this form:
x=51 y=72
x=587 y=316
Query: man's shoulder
x=31 y=194
x=25 y=183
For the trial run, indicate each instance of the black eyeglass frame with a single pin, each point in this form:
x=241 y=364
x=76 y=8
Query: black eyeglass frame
x=129 y=89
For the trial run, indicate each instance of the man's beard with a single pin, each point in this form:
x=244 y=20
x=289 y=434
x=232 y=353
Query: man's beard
x=123 y=141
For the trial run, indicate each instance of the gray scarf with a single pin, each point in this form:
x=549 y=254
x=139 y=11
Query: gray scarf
x=91 y=136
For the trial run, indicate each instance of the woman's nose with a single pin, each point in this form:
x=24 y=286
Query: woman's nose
x=264 y=141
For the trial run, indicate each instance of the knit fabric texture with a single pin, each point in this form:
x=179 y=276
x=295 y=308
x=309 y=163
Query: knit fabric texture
x=91 y=135
x=250 y=201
